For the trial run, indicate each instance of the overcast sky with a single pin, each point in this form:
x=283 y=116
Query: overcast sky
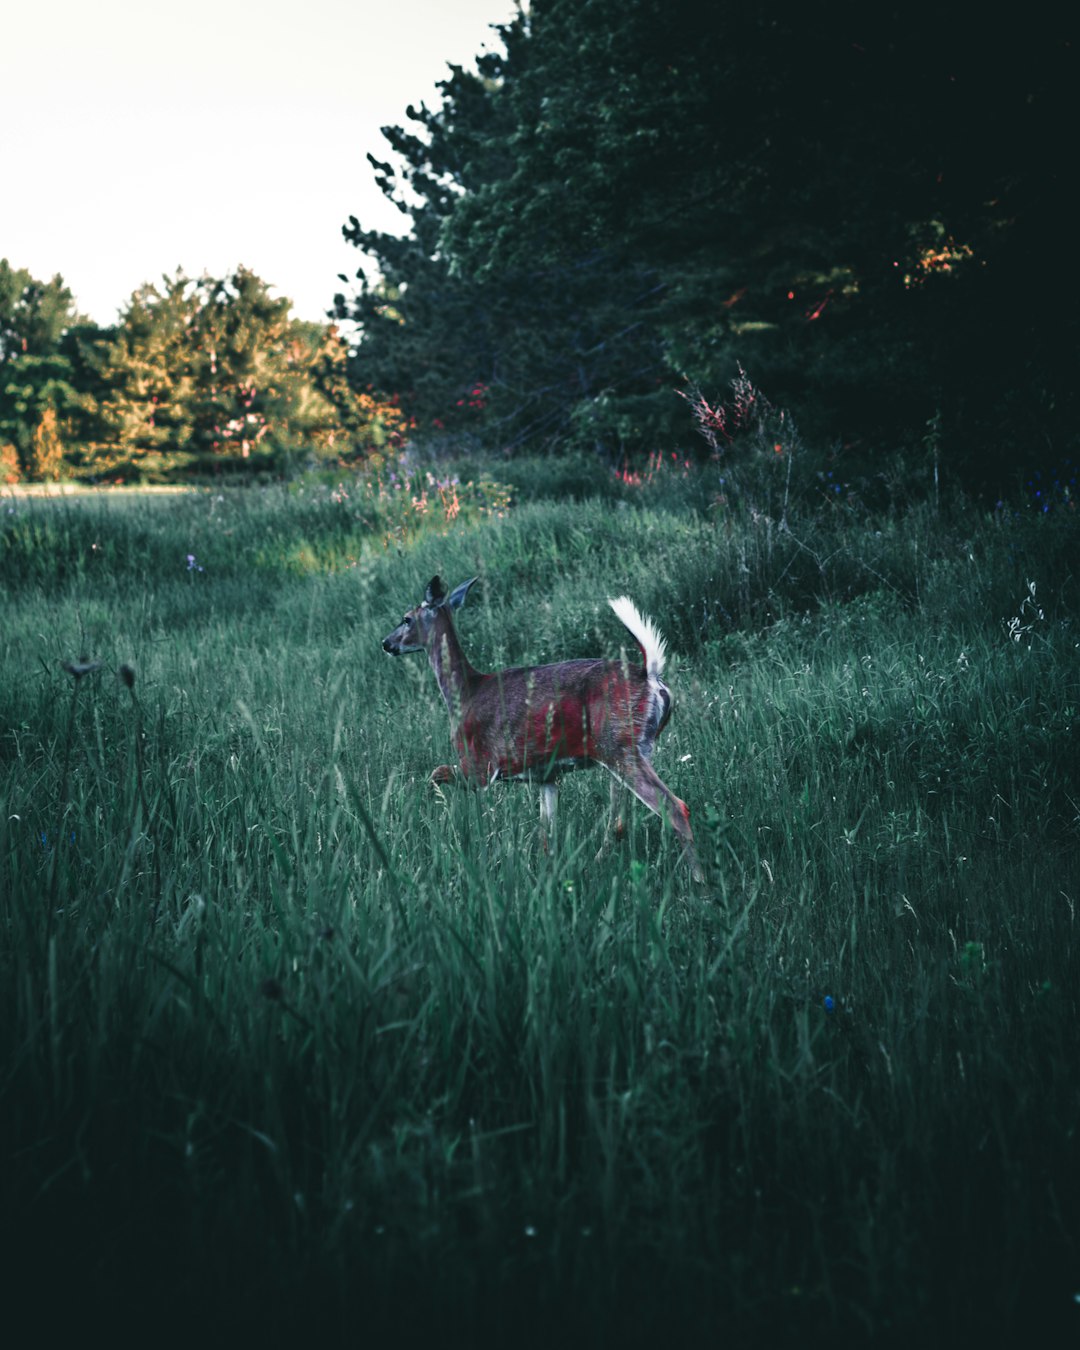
x=136 y=138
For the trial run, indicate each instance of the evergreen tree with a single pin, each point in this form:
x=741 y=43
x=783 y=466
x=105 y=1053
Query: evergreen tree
x=142 y=370
x=860 y=205
x=33 y=314
x=513 y=354
x=38 y=388
x=425 y=335
x=196 y=374
x=208 y=372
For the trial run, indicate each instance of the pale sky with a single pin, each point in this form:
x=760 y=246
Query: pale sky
x=136 y=137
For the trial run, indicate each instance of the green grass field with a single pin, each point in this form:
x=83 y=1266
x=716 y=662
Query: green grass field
x=293 y=1044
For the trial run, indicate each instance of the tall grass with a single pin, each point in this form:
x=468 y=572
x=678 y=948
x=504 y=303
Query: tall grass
x=292 y=1041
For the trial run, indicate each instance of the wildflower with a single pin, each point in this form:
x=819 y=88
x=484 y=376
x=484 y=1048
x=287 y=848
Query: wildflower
x=193 y=565
x=43 y=836
x=829 y=1003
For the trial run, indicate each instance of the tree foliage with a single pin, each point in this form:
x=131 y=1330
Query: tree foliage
x=38 y=391
x=199 y=374
x=859 y=204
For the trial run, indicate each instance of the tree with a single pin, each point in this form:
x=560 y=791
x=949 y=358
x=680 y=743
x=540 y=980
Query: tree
x=33 y=314
x=861 y=205
x=37 y=385
x=202 y=373
x=10 y=465
x=141 y=371
x=423 y=333
x=509 y=355
x=197 y=374
x=46 y=458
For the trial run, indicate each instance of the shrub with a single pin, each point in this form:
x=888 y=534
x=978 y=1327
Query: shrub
x=46 y=458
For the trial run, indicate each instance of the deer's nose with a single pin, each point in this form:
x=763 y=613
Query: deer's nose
x=388 y=646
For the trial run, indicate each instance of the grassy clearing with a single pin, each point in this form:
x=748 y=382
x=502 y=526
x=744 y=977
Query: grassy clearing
x=290 y=1037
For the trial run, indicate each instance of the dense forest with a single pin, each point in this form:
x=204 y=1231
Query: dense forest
x=620 y=201
x=859 y=205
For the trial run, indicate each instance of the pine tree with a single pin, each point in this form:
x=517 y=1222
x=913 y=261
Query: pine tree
x=514 y=355
x=36 y=376
x=212 y=373
x=862 y=206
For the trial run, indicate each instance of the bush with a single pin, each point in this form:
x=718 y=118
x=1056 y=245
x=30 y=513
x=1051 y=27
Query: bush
x=46 y=458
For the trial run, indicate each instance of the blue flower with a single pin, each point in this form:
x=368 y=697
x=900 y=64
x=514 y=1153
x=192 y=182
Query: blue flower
x=45 y=840
x=829 y=1003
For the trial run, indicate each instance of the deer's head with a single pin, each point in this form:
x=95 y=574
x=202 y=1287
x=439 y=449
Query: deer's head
x=417 y=629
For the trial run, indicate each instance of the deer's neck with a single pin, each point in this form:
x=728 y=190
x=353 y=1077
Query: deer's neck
x=455 y=675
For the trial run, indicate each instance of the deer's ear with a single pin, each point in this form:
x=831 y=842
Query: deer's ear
x=434 y=595
x=458 y=594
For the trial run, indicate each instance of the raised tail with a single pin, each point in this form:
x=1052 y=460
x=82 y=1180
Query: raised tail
x=644 y=632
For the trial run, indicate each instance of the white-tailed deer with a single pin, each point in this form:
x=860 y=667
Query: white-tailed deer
x=538 y=722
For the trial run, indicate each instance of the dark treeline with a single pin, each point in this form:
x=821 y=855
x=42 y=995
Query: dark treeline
x=860 y=205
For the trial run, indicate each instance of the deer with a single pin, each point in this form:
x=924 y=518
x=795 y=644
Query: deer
x=536 y=723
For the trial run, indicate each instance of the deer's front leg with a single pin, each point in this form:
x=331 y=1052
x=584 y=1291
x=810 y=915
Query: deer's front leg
x=549 y=803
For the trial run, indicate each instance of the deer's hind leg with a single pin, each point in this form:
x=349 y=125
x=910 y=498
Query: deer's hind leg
x=616 y=826
x=636 y=773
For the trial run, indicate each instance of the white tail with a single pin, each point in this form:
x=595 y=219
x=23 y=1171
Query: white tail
x=538 y=722
x=645 y=632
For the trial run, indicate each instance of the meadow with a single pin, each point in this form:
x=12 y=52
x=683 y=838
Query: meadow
x=292 y=1043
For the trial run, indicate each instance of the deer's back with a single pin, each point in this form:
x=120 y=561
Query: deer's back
x=539 y=721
